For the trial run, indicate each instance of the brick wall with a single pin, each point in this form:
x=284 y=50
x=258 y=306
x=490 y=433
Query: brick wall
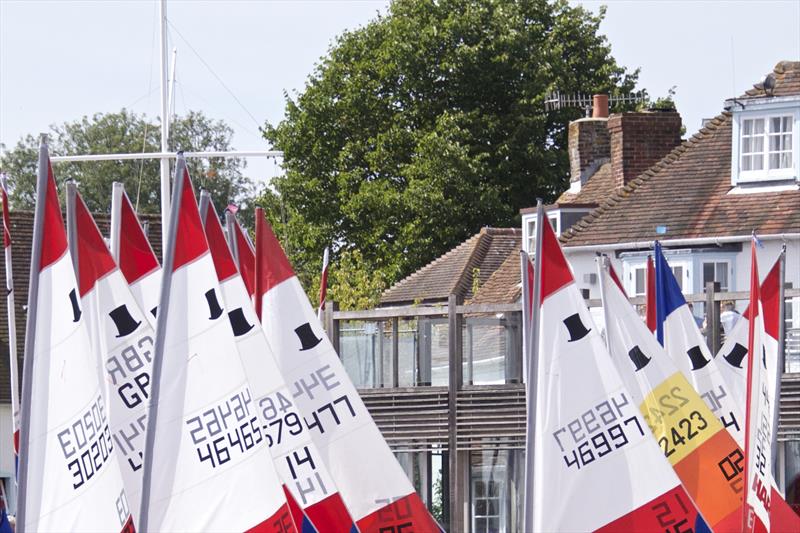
x=638 y=140
x=588 y=147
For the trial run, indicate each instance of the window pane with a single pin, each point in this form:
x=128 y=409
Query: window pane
x=775 y=124
x=708 y=273
x=758 y=162
x=678 y=272
x=747 y=145
x=722 y=275
x=641 y=280
x=758 y=125
x=747 y=162
x=747 y=127
x=758 y=144
x=786 y=160
x=787 y=124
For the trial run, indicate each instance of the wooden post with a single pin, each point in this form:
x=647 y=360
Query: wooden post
x=712 y=317
x=458 y=459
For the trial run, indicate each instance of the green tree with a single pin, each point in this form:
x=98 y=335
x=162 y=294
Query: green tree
x=126 y=132
x=428 y=123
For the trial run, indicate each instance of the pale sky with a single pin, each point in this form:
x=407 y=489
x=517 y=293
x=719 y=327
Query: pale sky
x=61 y=60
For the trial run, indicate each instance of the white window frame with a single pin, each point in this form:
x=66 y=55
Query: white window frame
x=713 y=261
x=766 y=109
x=529 y=228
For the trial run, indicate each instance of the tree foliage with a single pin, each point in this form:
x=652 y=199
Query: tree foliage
x=428 y=123
x=126 y=132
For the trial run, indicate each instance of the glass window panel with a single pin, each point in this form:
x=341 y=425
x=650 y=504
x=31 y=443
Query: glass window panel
x=775 y=124
x=722 y=275
x=758 y=144
x=758 y=162
x=787 y=123
x=708 y=273
x=678 y=272
x=481 y=506
x=774 y=143
x=747 y=145
x=786 y=160
x=747 y=127
x=640 y=275
x=747 y=162
x=775 y=161
x=407 y=348
x=758 y=126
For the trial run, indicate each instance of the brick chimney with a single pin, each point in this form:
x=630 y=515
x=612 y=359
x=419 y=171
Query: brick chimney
x=638 y=140
x=589 y=148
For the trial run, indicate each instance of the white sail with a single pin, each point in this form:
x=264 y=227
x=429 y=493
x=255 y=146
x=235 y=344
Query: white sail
x=134 y=255
x=70 y=476
x=207 y=466
x=370 y=480
x=297 y=460
x=590 y=445
x=691 y=438
x=677 y=331
x=122 y=339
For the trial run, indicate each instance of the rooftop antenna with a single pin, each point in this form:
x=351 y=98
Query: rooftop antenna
x=556 y=100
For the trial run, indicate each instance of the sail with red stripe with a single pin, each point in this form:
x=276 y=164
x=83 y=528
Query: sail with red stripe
x=733 y=364
x=122 y=339
x=692 y=439
x=323 y=283
x=13 y=364
x=678 y=333
x=133 y=253
x=206 y=463
x=245 y=254
x=69 y=473
x=372 y=483
x=760 y=398
x=591 y=447
x=297 y=460
x=650 y=295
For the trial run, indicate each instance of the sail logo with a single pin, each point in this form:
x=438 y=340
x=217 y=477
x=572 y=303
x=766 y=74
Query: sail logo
x=86 y=443
x=228 y=426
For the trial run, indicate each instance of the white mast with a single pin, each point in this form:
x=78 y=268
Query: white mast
x=165 y=199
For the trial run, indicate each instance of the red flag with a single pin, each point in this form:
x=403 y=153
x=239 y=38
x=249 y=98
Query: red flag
x=323 y=283
x=247 y=258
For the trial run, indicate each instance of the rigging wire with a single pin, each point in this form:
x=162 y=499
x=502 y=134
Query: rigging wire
x=213 y=73
x=149 y=92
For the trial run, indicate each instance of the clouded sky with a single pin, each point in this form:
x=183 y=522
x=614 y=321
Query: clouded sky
x=65 y=59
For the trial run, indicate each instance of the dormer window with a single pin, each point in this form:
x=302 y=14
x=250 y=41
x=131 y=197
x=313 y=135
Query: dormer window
x=766 y=142
x=766 y=145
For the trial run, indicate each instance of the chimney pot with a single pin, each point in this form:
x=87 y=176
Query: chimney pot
x=600 y=106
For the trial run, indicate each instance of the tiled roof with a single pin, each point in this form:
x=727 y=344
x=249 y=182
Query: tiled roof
x=787 y=81
x=504 y=284
x=687 y=191
x=453 y=272
x=21 y=236
x=597 y=188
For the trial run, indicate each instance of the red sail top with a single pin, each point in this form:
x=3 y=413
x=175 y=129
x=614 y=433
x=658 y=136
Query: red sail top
x=555 y=269
x=94 y=258
x=136 y=256
x=770 y=303
x=54 y=236
x=650 y=295
x=190 y=240
x=615 y=278
x=220 y=253
x=247 y=259
x=272 y=265
x=6 y=221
